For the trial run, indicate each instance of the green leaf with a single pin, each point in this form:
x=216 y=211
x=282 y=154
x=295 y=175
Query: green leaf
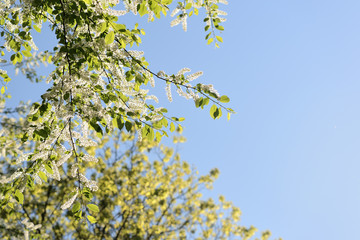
x=219 y=38
x=19 y=196
x=120 y=123
x=91 y=219
x=224 y=99
x=215 y=112
x=26 y=53
x=143 y=9
x=210 y=40
x=76 y=207
x=120 y=27
x=87 y=194
x=147 y=132
x=37 y=28
x=228 y=116
x=166 y=2
x=103 y=27
x=2 y=89
x=172 y=127
x=221 y=28
x=188 y=6
x=93 y=207
x=158 y=137
x=128 y=126
x=179 y=129
x=78 y=215
x=43 y=176
x=109 y=38
x=48 y=167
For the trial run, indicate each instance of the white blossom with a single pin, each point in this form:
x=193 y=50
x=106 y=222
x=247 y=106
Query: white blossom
x=183 y=71
x=68 y=204
x=13 y=176
x=175 y=11
x=168 y=92
x=184 y=23
x=89 y=158
x=194 y=76
x=175 y=22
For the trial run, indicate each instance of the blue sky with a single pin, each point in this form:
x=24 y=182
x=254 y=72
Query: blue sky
x=290 y=156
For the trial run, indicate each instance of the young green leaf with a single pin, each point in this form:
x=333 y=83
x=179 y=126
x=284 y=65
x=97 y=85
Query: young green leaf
x=109 y=38
x=76 y=207
x=172 y=127
x=215 y=112
x=91 y=219
x=43 y=176
x=143 y=9
x=37 y=28
x=19 y=196
x=93 y=207
x=219 y=38
x=26 y=53
x=48 y=167
x=224 y=99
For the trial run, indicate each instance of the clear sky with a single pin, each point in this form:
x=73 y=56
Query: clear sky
x=290 y=156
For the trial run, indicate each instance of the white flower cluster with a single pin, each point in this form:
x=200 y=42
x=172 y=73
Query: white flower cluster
x=98 y=89
x=69 y=202
x=92 y=185
x=12 y=177
x=116 y=13
x=89 y=158
x=29 y=225
x=55 y=175
x=183 y=82
x=210 y=88
x=168 y=92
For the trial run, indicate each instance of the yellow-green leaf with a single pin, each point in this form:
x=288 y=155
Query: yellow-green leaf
x=19 y=196
x=109 y=38
x=215 y=112
x=48 y=167
x=26 y=53
x=91 y=219
x=93 y=207
x=76 y=207
x=219 y=38
x=103 y=27
x=2 y=89
x=224 y=99
x=143 y=9
x=37 y=28
x=166 y=2
x=42 y=175
x=172 y=127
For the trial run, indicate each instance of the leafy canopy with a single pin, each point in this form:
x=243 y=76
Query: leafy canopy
x=99 y=89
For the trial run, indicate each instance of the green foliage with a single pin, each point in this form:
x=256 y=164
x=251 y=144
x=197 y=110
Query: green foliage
x=147 y=192
x=65 y=175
